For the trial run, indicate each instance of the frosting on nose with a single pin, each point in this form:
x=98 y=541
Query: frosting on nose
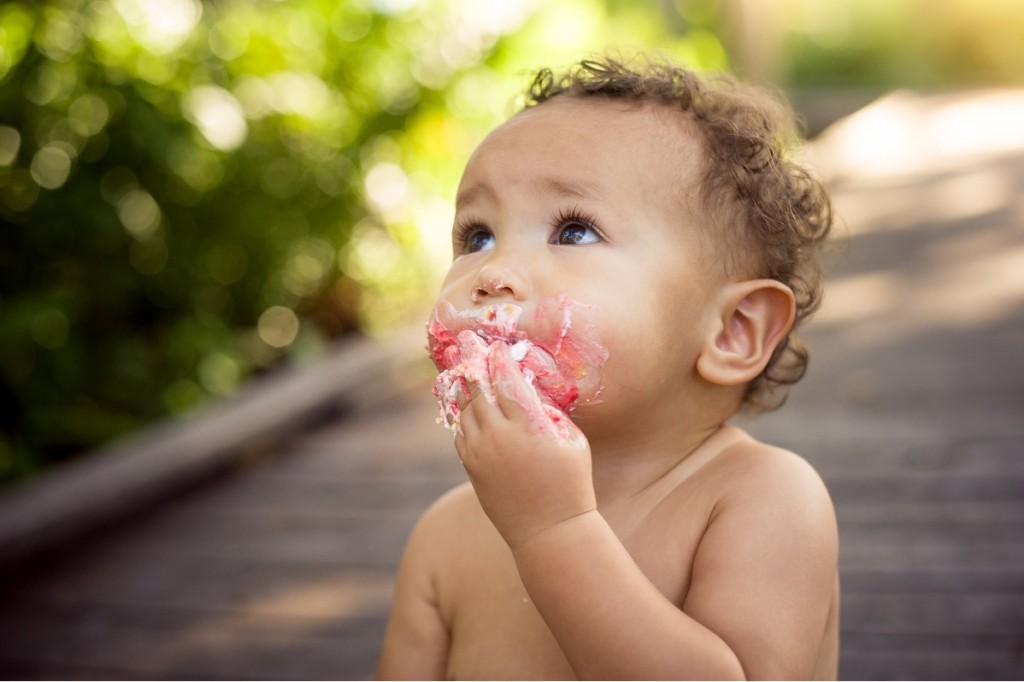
x=494 y=287
x=501 y=275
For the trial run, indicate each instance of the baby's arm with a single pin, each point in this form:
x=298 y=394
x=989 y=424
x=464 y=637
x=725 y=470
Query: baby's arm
x=416 y=642
x=758 y=602
x=765 y=574
x=762 y=576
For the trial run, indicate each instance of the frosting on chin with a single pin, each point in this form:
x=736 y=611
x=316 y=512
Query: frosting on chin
x=559 y=357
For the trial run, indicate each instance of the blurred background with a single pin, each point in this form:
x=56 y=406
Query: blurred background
x=222 y=222
x=193 y=193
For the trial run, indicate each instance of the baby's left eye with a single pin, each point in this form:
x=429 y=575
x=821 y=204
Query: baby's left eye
x=577 y=233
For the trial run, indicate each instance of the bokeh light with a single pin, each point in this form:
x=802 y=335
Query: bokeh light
x=278 y=326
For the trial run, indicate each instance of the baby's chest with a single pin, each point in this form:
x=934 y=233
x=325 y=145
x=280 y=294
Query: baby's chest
x=497 y=632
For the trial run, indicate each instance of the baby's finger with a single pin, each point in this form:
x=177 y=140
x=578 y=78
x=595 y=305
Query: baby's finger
x=468 y=392
x=516 y=398
x=460 y=445
x=478 y=409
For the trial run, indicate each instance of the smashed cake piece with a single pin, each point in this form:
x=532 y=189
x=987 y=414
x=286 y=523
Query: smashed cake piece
x=555 y=365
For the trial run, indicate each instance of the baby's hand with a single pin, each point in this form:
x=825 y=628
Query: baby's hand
x=529 y=464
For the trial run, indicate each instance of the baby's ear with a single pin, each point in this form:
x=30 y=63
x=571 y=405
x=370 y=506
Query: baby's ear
x=754 y=316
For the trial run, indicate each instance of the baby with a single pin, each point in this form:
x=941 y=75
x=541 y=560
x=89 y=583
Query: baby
x=632 y=252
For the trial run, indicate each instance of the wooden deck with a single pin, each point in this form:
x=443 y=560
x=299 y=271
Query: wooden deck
x=913 y=413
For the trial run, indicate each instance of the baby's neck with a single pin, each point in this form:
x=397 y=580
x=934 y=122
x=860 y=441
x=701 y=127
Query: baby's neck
x=637 y=464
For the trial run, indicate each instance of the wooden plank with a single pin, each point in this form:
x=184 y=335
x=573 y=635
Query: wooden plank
x=325 y=609
x=188 y=582
x=897 y=655
x=281 y=491
x=931 y=579
x=829 y=435
x=943 y=530
x=857 y=555
x=980 y=612
x=978 y=512
x=205 y=650
x=367 y=546
x=934 y=642
x=880 y=488
x=995 y=455
x=931 y=665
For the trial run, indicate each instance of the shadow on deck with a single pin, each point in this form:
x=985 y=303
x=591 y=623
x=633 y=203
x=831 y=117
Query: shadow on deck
x=281 y=565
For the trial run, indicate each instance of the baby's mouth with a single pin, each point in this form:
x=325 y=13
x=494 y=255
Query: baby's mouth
x=560 y=359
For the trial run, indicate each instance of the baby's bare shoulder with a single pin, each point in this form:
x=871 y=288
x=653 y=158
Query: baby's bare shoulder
x=454 y=526
x=752 y=473
x=446 y=521
x=756 y=490
x=458 y=500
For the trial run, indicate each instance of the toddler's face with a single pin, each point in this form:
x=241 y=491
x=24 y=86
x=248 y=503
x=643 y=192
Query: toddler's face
x=592 y=201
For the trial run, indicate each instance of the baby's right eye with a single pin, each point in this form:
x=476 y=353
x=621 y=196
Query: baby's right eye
x=473 y=239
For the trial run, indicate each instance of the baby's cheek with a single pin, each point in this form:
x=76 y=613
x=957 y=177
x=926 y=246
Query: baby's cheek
x=560 y=390
x=570 y=331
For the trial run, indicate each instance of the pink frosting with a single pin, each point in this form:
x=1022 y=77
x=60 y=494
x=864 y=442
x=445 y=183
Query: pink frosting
x=559 y=357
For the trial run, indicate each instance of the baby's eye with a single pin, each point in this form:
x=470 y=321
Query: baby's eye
x=476 y=239
x=577 y=233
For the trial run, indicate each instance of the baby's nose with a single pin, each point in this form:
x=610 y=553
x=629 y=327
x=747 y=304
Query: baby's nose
x=496 y=281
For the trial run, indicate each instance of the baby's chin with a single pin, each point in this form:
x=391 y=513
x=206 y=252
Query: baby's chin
x=558 y=352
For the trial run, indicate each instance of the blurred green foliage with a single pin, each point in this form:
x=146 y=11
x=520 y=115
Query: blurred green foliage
x=194 y=192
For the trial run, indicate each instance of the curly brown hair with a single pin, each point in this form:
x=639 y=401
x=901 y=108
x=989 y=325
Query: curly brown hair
x=755 y=194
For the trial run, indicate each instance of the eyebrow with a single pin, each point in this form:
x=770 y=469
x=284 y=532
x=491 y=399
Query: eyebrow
x=473 y=194
x=571 y=188
x=575 y=189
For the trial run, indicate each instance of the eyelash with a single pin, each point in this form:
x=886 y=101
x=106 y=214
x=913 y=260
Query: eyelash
x=573 y=215
x=465 y=228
